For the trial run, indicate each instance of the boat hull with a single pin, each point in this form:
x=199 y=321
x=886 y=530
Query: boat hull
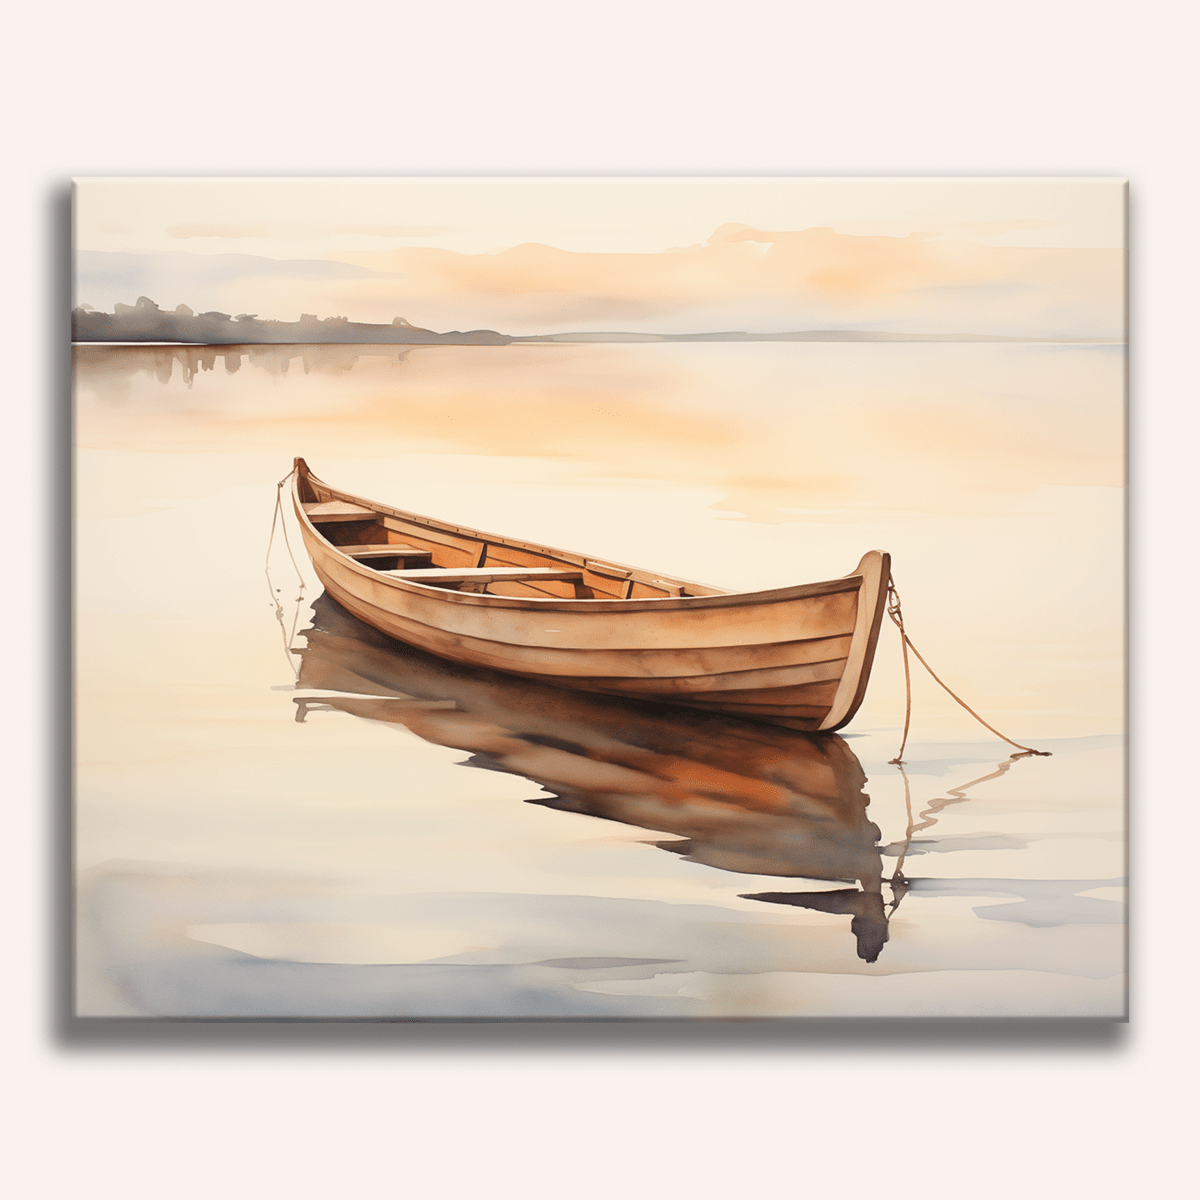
x=798 y=656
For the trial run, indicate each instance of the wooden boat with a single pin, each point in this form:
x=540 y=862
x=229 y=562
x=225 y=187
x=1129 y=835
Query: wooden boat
x=795 y=656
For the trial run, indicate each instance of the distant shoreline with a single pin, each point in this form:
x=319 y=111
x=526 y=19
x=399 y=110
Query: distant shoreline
x=145 y=323
x=811 y=335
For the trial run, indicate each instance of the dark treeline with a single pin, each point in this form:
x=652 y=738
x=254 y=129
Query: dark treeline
x=146 y=322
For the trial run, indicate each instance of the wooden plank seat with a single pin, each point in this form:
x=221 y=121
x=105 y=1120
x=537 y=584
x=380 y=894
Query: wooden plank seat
x=338 y=510
x=438 y=575
x=379 y=550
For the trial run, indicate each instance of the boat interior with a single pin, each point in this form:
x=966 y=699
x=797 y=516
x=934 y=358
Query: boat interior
x=422 y=550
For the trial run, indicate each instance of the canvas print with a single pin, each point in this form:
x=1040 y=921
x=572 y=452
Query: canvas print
x=599 y=598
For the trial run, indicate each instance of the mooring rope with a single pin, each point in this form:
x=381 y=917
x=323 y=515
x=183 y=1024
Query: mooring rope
x=899 y=881
x=894 y=611
x=277 y=519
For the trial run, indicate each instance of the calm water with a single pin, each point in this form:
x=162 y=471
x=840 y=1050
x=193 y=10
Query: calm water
x=281 y=813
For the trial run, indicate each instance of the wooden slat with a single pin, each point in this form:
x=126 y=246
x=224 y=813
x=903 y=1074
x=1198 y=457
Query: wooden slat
x=789 y=675
x=378 y=550
x=515 y=556
x=603 y=568
x=481 y=574
x=437 y=536
x=338 y=510
x=531 y=588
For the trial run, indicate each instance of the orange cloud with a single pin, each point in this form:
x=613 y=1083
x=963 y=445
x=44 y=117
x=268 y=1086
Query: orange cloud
x=765 y=281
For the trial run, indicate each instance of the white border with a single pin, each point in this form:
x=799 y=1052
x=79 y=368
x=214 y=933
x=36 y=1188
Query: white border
x=929 y=87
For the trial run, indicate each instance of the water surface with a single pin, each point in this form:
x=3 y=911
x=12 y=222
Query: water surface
x=307 y=820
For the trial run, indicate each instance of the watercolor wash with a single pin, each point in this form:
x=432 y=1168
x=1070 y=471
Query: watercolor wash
x=282 y=812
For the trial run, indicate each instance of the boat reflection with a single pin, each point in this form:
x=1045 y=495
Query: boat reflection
x=740 y=797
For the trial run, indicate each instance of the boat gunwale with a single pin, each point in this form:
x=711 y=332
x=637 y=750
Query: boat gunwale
x=840 y=584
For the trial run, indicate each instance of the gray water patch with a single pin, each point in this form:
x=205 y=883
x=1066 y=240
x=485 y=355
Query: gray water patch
x=1042 y=902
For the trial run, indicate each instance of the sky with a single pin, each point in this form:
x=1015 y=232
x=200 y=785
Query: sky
x=1022 y=257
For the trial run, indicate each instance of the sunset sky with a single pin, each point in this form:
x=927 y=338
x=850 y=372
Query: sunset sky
x=1023 y=257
